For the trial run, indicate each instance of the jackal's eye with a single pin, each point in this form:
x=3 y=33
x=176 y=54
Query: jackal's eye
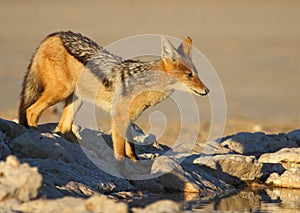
x=190 y=75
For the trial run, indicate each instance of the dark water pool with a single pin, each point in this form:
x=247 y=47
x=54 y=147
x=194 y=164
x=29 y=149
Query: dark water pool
x=245 y=200
x=249 y=200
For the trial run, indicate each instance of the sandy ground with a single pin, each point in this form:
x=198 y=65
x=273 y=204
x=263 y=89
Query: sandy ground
x=254 y=47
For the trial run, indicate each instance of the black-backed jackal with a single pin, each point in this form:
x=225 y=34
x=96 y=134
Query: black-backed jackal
x=72 y=68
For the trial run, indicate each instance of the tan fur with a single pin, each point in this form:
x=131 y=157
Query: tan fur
x=55 y=75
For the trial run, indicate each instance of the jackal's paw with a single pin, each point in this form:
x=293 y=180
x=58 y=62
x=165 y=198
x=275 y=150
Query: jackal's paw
x=70 y=136
x=33 y=127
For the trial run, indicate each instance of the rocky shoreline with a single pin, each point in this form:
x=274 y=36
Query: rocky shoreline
x=40 y=170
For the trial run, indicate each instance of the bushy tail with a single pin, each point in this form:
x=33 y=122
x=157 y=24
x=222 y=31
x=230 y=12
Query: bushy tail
x=31 y=91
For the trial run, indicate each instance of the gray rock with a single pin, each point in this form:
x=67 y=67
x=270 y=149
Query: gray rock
x=10 y=128
x=289 y=179
x=33 y=144
x=285 y=155
x=19 y=181
x=59 y=178
x=61 y=163
x=295 y=136
x=257 y=143
x=150 y=185
x=232 y=168
x=4 y=149
x=186 y=177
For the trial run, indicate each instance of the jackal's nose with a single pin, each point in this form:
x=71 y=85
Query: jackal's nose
x=206 y=91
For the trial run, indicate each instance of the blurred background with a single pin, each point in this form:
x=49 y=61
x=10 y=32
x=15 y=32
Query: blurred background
x=254 y=47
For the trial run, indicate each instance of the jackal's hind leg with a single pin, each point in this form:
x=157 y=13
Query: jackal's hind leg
x=72 y=105
x=33 y=113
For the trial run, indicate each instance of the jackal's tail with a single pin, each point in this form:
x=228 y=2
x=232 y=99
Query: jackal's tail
x=31 y=91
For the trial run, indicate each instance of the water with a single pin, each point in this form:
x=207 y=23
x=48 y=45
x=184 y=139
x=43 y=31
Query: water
x=249 y=200
x=245 y=200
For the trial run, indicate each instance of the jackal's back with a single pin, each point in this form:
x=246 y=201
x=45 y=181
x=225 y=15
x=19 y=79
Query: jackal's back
x=79 y=46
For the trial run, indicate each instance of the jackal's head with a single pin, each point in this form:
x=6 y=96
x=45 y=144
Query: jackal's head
x=178 y=64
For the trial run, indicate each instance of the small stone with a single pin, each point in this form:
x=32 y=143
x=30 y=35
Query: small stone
x=19 y=181
x=162 y=206
x=289 y=179
x=96 y=203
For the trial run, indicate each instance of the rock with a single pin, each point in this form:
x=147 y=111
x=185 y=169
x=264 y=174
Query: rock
x=289 y=179
x=257 y=143
x=269 y=168
x=295 y=136
x=10 y=128
x=75 y=175
x=186 y=177
x=231 y=168
x=62 y=162
x=70 y=169
x=104 y=204
x=278 y=162
x=74 y=179
x=285 y=155
x=151 y=185
x=139 y=136
x=172 y=176
x=78 y=188
x=163 y=206
x=99 y=203
x=4 y=149
x=33 y=144
x=145 y=144
x=19 y=181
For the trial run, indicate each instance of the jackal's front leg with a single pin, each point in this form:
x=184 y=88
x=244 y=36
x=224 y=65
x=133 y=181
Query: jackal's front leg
x=120 y=136
x=130 y=151
x=118 y=142
x=129 y=145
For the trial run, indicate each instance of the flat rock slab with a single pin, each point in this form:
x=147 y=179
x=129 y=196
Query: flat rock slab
x=257 y=143
x=186 y=177
x=231 y=168
x=285 y=155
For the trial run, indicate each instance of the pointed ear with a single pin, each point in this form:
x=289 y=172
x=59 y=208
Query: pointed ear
x=168 y=50
x=186 y=47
